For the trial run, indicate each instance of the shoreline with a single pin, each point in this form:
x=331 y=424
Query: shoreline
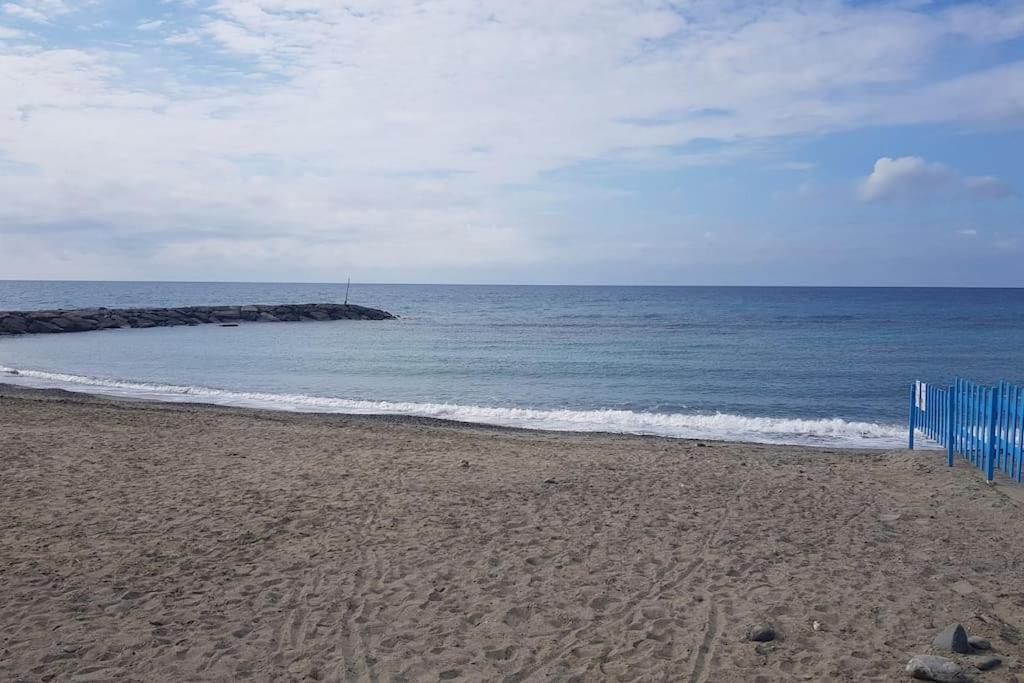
x=671 y=426
x=8 y=390
x=159 y=542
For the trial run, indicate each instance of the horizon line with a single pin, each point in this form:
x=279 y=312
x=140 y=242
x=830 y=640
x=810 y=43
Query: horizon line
x=512 y=284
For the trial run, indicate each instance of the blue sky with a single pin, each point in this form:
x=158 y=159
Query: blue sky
x=584 y=141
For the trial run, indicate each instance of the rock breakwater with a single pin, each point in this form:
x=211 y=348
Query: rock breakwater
x=88 y=319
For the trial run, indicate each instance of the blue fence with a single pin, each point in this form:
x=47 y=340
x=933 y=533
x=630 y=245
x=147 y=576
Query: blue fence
x=983 y=424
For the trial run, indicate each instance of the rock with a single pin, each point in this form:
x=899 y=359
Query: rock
x=979 y=643
x=761 y=633
x=953 y=638
x=818 y=626
x=986 y=662
x=75 y=324
x=464 y=463
x=940 y=669
x=13 y=324
x=550 y=481
x=84 y=320
x=43 y=327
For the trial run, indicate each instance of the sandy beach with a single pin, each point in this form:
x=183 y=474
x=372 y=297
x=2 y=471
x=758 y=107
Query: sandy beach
x=142 y=541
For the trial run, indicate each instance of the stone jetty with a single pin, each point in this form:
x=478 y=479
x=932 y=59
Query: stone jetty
x=88 y=319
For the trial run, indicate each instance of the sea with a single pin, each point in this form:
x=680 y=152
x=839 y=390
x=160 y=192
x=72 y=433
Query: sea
x=793 y=365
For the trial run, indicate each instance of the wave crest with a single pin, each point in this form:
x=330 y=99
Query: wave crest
x=717 y=426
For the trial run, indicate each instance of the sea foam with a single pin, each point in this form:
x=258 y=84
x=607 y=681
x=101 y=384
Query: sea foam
x=717 y=426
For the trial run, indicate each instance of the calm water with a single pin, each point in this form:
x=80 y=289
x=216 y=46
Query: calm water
x=801 y=365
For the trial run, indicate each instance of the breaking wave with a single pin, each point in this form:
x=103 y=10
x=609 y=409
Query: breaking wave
x=718 y=426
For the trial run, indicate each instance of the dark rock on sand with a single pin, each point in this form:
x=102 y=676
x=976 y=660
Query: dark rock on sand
x=953 y=638
x=940 y=669
x=979 y=643
x=761 y=633
x=87 y=319
x=986 y=662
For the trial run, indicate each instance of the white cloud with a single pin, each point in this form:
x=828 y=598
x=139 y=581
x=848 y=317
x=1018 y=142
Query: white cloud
x=20 y=12
x=907 y=178
x=388 y=123
x=150 y=25
x=39 y=11
x=987 y=187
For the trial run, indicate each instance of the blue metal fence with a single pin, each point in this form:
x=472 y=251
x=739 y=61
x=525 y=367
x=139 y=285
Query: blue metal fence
x=983 y=424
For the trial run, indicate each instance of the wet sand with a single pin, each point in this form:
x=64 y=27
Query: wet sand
x=155 y=542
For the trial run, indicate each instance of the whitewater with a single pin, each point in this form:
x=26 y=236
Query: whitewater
x=834 y=432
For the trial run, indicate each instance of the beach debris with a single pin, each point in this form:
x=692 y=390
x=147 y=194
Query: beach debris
x=979 y=643
x=986 y=662
x=817 y=625
x=464 y=463
x=940 y=669
x=761 y=633
x=953 y=638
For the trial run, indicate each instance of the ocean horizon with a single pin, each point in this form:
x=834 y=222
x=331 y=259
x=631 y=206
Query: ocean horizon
x=826 y=366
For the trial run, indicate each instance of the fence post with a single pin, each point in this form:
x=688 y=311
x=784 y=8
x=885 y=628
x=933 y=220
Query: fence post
x=950 y=414
x=990 y=447
x=913 y=415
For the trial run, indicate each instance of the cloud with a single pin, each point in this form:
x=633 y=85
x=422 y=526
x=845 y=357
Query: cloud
x=150 y=25
x=39 y=11
x=395 y=124
x=908 y=178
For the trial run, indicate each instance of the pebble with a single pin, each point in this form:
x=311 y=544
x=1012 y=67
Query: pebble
x=987 y=662
x=953 y=638
x=979 y=643
x=939 y=669
x=464 y=463
x=761 y=633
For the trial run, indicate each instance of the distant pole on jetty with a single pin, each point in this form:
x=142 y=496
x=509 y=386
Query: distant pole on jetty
x=347 y=285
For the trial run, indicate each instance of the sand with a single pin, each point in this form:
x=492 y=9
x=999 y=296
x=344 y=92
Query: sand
x=174 y=543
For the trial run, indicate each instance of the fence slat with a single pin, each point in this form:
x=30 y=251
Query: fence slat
x=983 y=424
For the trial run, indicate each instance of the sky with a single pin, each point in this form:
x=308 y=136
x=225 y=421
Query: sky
x=766 y=142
